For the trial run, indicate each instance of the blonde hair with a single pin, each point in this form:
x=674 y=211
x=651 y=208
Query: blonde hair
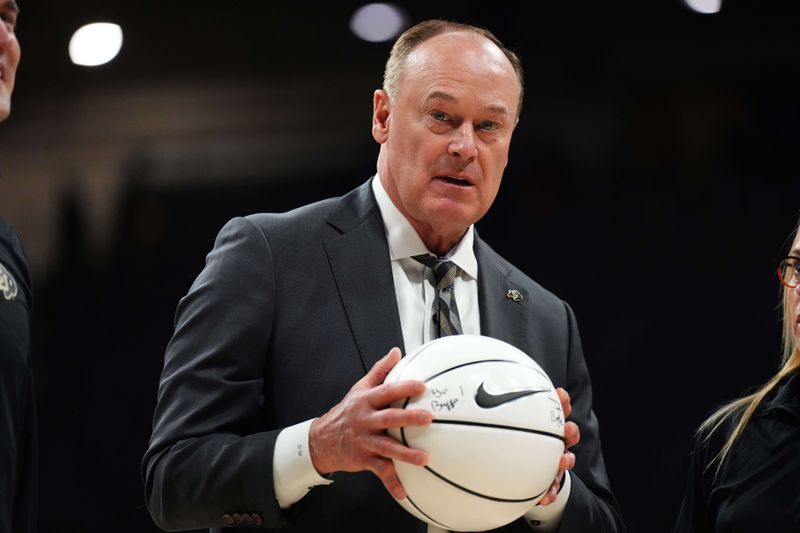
x=747 y=405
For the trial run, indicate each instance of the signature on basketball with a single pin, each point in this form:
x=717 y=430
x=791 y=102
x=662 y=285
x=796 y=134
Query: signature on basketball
x=447 y=405
x=556 y=414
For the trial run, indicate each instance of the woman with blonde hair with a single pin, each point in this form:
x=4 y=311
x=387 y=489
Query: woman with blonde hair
x=745 y=469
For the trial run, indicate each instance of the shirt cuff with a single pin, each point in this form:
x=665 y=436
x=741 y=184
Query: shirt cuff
x=548 y=517
x=293 y=473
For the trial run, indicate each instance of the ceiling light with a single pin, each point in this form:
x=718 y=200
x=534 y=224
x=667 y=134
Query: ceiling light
x=95 y=44
x=377 y=22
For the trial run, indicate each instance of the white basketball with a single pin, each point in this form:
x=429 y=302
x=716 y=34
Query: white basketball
x=496 y=438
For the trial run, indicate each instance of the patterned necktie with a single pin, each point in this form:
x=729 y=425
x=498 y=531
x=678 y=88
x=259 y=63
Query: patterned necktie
x=446 y=311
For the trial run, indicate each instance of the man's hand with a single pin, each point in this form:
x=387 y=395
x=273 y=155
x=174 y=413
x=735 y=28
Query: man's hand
x=352 y=436
x=572 y=436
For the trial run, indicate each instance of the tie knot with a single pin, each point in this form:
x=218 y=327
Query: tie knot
x=445 y=312
x=429 y=260
x=444 y=272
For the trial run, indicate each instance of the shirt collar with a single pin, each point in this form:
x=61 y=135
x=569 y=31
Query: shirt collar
x=404 y=241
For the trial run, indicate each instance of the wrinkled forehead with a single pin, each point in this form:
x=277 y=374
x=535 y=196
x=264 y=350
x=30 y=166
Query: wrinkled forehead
x=464 y=47
x=464 y=58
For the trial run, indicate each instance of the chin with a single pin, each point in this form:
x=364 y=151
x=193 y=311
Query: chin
x=454 y=212
x=455 y=218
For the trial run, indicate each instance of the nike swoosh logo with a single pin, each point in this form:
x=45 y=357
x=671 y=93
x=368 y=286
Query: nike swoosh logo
x=488 y=400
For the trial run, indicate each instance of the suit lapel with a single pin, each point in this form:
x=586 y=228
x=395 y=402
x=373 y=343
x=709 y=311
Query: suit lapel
x=502 y=316
x=359 y=259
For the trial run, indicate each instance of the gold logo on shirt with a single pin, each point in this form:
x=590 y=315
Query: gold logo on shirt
x=8 y=285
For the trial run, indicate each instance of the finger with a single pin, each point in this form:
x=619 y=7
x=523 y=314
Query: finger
x=381 y=368
x=551 y=494
x=567 y=462
x=564 y=398
x=385 y=471
x=388 y=393
x=572 y=434
x=398 y=418
x=389 y=448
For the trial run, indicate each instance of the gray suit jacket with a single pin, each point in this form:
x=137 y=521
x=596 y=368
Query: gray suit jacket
x=289 y=312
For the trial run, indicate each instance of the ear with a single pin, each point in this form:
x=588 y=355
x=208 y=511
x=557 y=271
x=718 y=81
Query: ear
x=381 y=109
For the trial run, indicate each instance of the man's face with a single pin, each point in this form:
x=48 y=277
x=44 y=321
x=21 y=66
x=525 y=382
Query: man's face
x=9 y=54
x=446 y=135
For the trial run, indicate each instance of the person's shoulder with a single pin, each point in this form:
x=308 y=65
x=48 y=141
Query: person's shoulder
x=9 y=240
x=13 y=261
x=516 y=275
x=712 y=435
x=307 y=214
x=340 y=211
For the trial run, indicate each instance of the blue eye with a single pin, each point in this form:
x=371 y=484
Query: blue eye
x=10 y=19
x=439 y=115
x=487 y=126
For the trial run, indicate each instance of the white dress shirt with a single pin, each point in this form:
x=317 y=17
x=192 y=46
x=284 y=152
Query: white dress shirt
x=294 y=474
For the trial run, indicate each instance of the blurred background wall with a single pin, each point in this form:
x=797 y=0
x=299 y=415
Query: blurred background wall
x=653 y=184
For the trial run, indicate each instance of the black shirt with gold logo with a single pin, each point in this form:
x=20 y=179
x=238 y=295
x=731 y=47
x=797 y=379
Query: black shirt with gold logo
x=18 y=435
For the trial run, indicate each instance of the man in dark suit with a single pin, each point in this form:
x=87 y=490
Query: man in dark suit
x=18 y=459
x=272 y=409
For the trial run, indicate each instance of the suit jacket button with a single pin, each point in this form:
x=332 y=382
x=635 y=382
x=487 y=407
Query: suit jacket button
x=248 y=520
x=228 y=519
x=257 y=519
x=237 y=519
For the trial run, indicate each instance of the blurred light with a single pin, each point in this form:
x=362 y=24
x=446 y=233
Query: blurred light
x=705 y=6
x=377 y=22
x=95 y=44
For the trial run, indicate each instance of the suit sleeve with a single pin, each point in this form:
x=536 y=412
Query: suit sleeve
x=591 y=506
x=207 y=456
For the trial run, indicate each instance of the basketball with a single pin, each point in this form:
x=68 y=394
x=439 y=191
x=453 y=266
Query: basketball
x=496 y=438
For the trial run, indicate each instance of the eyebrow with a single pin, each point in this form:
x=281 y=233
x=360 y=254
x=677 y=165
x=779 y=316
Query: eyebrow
x=12 y=5
x=441 y=95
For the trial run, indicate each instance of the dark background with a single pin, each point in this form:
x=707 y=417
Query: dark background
x=653 y=184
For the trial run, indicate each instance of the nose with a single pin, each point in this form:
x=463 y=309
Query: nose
x=5 y=36
x=462 y=144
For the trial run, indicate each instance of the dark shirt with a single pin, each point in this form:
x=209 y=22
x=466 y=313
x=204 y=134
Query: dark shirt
x=18 y=438
x=758 y=487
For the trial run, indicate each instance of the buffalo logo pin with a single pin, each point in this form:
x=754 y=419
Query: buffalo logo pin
x=8 y=286
x=514 y=294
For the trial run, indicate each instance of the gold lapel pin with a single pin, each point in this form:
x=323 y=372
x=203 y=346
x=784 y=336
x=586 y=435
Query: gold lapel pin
x=514 y=294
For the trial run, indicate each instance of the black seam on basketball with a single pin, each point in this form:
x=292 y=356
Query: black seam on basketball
x=433 y=520
x=478 y=494
x=415 y=355
x=473 y=363
x=496 y=426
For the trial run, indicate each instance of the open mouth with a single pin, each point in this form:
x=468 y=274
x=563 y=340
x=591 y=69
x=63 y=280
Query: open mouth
x=455 y=181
